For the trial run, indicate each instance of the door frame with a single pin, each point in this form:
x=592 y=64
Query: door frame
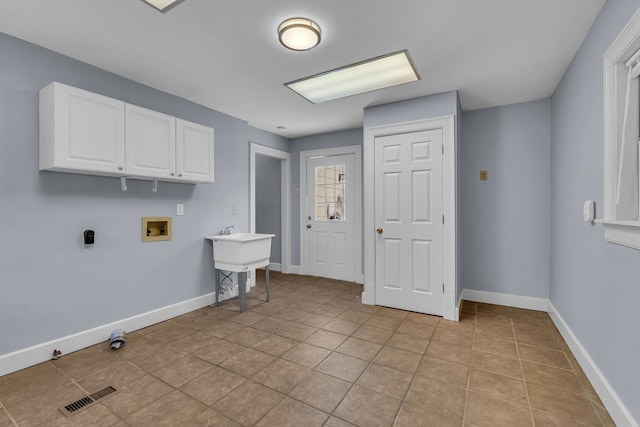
x=356 y=150
x=447 y=124
x=285 y=199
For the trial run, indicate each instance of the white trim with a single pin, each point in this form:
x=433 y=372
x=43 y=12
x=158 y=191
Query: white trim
x=356 y=150
x=39 y=353
x=616 y=408
x=530 y=303
x=285 y=183
x=459 y=307
x=625 y=233
x=447 y=124
x=614 y=72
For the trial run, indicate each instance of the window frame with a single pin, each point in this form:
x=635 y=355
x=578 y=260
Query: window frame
x=616 y=230
x=337 y=180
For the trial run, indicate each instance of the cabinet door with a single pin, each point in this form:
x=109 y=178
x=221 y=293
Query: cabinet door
x=80 y=131
x=150 y=143
x=194 y=152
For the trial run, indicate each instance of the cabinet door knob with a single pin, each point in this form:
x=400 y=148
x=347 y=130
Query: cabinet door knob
x=180 y=175
x=120 y=168
x=308 y=225
x=379 y=230
x=172 y=174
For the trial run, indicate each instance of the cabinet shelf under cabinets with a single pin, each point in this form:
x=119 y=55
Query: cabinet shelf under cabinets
x=86 y=133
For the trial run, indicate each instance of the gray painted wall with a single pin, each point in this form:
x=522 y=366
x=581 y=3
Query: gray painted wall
x=504 y=227
x=51 y=285
x=269 y=202
x=595 y=285
x=327 y=140
x=268 y=139
x=426 y=107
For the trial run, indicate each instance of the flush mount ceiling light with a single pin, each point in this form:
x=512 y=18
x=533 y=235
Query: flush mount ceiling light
x=163 y=5
x=376 y=73
x=299 y=34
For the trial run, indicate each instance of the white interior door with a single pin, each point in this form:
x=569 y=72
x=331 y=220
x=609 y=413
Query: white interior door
x=409 y=221
x=330 y=216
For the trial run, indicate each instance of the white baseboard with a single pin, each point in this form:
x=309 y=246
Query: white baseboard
x=530 y=303
x=296 y=269
x=30 y=356
x=450 y=312
x=618 y=411
x=275 y=266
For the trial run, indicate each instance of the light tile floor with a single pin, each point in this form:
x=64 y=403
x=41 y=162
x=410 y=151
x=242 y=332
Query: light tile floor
x=316 y=356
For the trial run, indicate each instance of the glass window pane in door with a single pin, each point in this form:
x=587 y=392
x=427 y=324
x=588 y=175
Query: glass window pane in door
x=330 y=197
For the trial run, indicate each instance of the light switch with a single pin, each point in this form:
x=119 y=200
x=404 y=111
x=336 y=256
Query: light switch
x=484 y=175
x=179 y=209
x=234 y=210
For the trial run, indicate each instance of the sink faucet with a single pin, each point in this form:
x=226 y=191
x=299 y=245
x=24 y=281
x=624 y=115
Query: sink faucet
x=227 y=229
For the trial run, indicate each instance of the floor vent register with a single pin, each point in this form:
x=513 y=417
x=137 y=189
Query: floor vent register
x=87 y=401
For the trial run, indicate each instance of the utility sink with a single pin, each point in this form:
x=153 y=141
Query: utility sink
x=241 y=251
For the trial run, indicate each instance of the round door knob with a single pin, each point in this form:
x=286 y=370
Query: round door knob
x=308 y=225
x=379 y=230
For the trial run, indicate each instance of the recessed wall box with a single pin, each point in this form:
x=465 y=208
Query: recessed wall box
x=156 y=228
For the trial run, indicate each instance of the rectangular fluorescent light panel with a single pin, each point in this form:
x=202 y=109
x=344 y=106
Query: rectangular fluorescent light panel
x=163 y=5
x=376 y=73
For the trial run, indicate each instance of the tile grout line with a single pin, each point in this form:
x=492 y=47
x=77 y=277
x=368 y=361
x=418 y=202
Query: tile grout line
x=524 y=381
x=572 y=370
x=6 y=411
x=403 y=400
x=332 y=414
x=285 y=395
x=466 y=393
x=356 y=379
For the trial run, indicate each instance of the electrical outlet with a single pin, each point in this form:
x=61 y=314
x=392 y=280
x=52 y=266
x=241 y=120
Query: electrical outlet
x=234 y=210
x=179 y=209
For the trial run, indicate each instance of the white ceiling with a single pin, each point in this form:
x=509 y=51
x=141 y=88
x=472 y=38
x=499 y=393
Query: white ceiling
x=224 y=54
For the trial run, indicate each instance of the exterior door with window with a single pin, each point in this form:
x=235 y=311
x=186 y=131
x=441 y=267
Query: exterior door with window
x=330 y=217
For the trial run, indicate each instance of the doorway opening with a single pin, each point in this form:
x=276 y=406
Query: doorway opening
x=266 y=161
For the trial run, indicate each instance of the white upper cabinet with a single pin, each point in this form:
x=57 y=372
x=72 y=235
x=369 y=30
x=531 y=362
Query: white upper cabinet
x=80 y=131
x=150 y=143
x=83 y=132
x=194 y=153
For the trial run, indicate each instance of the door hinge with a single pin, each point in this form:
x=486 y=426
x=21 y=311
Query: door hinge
x=443 y=219
x=443 y=288
x=443 y=149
